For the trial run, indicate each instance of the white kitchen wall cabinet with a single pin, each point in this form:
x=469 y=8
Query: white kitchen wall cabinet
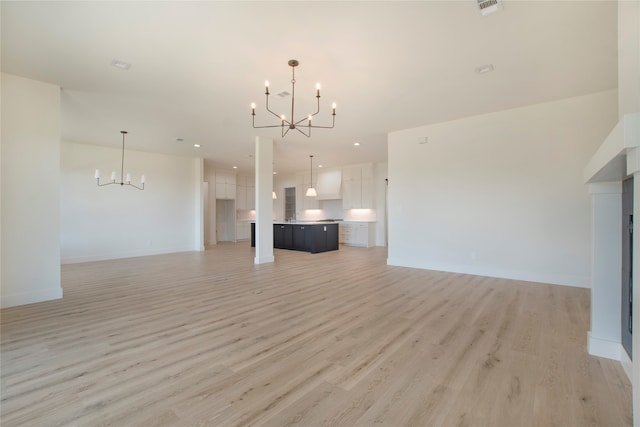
x=241 y=196
x=245 y=193
x=358 y=234
x=251 y=194
x=225 y=185
x=357 y=187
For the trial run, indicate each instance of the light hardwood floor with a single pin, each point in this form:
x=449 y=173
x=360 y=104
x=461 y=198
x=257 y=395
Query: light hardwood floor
x=331 y=339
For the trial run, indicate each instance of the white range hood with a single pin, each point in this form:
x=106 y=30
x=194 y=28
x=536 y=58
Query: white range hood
x=329 y=184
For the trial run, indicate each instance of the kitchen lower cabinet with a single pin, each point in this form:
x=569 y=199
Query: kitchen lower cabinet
x=243 y=231
x=325 y=238
x=282 y=236
x=312 y=238
x=358 y=234
x=301 y=238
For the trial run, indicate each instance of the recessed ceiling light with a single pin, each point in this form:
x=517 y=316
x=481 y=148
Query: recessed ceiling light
x=120 y=64
x=275 y=173
x=319 y=166
x=179 y=139
x=196 y=145
x=235 y=167
x=483 y=69
x=356 y=144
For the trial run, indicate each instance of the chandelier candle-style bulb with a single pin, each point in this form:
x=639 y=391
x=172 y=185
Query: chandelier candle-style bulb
x=142 y=179
x=293 y=123
x=97 y=174
x=128 y=178
x=113 y=176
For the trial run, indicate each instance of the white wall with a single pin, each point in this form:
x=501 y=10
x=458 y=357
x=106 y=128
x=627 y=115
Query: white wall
x=628 y=57
x=30 y=254
x=115 y=221
x=499 y=194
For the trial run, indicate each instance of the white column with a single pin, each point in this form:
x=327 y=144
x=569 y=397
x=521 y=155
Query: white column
x=198 y=242
x=30 y=191
x=604 y=339
x=264 y=201
x=633 y=167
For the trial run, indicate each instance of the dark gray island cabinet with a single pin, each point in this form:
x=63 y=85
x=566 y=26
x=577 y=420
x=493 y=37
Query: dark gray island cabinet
x=309 y=237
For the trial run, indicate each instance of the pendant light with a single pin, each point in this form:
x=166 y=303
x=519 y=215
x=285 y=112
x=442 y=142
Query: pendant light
x=124 y=180
x=311 y=192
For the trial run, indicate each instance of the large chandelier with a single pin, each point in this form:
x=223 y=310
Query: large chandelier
x=288 y=124
x=124 y=180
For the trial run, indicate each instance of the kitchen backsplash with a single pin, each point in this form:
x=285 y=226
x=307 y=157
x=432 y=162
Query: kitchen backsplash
x=245 y=215
x=360 y=215
x=330 y=209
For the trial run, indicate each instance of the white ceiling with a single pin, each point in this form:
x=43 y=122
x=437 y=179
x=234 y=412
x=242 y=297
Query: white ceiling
x=197 y=66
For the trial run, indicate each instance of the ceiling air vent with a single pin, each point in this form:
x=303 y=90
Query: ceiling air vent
x=489 y=6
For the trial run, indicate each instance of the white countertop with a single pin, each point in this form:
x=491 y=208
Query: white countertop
x=307 y=222
x=310 y=222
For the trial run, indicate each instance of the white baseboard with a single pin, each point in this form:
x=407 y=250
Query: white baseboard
x=603 y=348
x=538 y=277
x=627 y=364
x=610 y=350
x=30 y=297
x=263 y=260
x=126 y=254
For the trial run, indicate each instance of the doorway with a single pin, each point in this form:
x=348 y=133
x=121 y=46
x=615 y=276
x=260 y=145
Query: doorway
x=627 y=266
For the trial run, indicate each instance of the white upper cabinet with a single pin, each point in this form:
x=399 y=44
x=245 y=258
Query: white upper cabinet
x=241 y=197
x=357 y=187
x=251 y=195
x=246 y=193
x=225 y=185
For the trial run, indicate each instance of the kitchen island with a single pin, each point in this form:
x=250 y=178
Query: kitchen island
x=311 y=237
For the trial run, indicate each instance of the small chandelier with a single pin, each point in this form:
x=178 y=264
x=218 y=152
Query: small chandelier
x=311 y=192
x=124 y=180
x=291 y=123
